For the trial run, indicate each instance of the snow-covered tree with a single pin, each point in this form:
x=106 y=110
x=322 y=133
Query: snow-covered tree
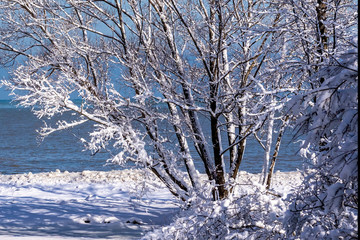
x=327 y=202
x=326 y=206
x=325 y=116
x=157 y=79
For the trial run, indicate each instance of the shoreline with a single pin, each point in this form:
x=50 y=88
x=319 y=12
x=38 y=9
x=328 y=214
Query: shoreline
x=280 y=179
x=117 y=204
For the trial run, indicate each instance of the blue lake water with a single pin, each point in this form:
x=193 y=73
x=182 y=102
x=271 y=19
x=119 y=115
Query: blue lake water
x=21 y=151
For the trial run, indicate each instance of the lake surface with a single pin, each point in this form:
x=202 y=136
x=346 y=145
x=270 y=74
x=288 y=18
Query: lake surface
x=21 y=150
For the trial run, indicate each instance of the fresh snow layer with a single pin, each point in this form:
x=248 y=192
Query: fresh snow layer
x=88 y=205
x=94 y=204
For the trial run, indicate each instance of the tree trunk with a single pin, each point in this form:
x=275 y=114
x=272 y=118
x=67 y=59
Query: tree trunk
x=322 y=38
x=276 y=152
x=267 y=148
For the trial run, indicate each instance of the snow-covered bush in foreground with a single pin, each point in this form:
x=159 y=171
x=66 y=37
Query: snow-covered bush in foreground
x=326 y=205
x=325 y=208
x=254 y=213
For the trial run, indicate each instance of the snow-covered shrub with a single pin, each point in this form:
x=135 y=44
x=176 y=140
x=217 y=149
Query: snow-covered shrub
x=254 y=214
x=324 y=208
x=326 y=205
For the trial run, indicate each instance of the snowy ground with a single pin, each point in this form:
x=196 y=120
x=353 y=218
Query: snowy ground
x=93 y=205
x=88 y=205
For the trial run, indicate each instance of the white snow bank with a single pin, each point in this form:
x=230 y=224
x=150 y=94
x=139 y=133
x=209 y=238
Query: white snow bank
x=95 y=204
x=86 y=205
